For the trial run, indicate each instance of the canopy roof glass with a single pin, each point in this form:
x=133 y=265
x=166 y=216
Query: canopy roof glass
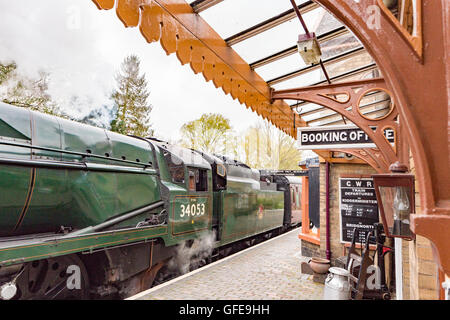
x=265 y=33
x=249 y=49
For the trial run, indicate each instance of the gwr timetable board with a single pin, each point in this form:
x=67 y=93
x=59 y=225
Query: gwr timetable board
x=358 y=207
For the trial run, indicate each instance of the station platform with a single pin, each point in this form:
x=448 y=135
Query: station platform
x=267 y=271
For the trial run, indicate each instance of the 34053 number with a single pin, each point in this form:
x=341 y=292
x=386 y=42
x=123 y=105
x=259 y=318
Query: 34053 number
x=192 y=210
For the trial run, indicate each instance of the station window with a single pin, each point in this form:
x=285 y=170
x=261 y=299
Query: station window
x=198 y=179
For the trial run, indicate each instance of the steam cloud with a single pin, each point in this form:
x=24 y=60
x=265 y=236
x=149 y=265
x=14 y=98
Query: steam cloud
x=195 y=254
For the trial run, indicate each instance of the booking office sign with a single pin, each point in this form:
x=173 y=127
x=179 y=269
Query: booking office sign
x=333 y=137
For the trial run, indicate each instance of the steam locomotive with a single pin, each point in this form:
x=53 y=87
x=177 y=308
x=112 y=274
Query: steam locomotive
x=89 y=213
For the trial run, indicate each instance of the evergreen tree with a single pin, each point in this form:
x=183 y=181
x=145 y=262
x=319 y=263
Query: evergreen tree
x=130 y=100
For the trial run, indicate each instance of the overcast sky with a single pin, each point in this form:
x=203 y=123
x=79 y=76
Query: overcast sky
x=83 y=47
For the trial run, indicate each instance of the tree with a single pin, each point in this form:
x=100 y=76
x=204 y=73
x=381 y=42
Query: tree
x=209 y=133
x=263 y=146
x=130 y=100
x=25 y=91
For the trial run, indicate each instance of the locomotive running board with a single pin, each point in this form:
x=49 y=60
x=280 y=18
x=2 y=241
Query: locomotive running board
x=38 y=247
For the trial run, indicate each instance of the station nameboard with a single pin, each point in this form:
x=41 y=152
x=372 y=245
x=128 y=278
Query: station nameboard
x=311 y=138
x=358 y=207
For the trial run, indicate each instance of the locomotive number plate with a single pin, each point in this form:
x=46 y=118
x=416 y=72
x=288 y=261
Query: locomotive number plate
x=190 y=214
x=192 y=210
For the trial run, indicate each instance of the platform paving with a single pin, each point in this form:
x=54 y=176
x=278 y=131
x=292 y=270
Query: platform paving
x=268 y=271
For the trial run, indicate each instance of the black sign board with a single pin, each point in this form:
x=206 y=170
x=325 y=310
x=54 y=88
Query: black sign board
x=358 y=206
x=311 y=138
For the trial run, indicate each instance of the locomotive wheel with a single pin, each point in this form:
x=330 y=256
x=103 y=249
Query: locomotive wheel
x=250 y=242
x=267 y=235
x=59 y=278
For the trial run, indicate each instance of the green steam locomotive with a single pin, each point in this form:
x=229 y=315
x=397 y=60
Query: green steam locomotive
x=89 y=213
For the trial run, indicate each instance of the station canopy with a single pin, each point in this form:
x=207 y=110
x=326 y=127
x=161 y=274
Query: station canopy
x=265 y=32
x=249 y=49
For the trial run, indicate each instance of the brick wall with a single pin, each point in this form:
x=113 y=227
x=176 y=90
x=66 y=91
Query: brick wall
x=310 y=249
x=423 y=271
x=420 y=265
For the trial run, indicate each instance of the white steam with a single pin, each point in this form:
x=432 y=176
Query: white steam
x=192 y=254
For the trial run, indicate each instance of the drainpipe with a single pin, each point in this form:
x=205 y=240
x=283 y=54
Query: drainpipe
x=327 y=208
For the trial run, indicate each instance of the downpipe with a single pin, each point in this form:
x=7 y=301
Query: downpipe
x=327 y=209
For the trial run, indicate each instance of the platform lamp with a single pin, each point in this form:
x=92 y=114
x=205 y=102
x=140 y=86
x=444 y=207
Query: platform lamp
x=307 y=44
x=309 y=48
x=395 y=196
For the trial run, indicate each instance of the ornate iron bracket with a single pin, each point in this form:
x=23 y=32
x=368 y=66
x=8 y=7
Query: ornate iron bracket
x=371 y=156
x=324 y=95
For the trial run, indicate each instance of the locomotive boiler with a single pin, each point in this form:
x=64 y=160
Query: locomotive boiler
x=89 y=213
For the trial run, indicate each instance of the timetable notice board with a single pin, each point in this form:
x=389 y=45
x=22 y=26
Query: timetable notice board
x=358 y=207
